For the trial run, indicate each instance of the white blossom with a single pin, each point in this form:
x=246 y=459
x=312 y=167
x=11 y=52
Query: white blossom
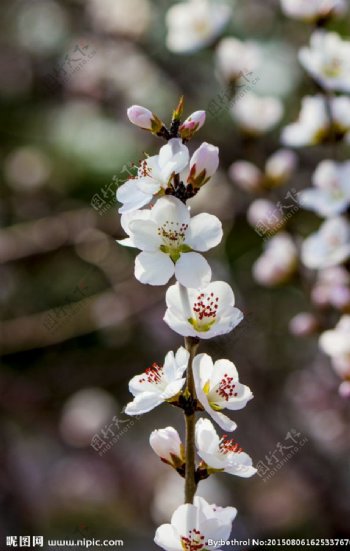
x=331 y=192
x=221 y=454
x=235 y=58
x=329 y=246
x=256 y=115
x=246 y=175
x=158 y=383
x=336 y=344
x=327 y=60
x=166 y=443
x=153 y=176
x=313 y=10
x=278 y=261
x=193 y=526
x=218 y=387
x=313 y=125
x=195 y=23
x=203 y=313
x=280 y=166
x=264 y=211
x=168 y=237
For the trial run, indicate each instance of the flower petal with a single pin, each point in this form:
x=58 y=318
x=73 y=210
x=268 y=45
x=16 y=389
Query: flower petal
x=131 y=196
x=170 y=209
x=179 y=325
x=148 y=185
x=144 y=234
x=173 y=157
x=154 y=268
x=143 y=403
x=205 y=232
x=173 y=388
x=177 y=300
x=192 y=270
x=167 y=538
x=207 y=438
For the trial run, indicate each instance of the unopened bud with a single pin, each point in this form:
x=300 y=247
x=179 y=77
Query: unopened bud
x=144 y=118
x=192 y=124
x=166 y=443
x=204 y=163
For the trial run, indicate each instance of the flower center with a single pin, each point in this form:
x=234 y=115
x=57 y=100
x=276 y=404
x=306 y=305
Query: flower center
x=153 y=374
x=228 y=445
x=226 y=388
x=333 y=67
x=173 y=235
x=202 y=26
x=205 y=312
x=194 y=541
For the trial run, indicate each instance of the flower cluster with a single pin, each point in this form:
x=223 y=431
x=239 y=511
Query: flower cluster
x=325 y=119
x=157 y=221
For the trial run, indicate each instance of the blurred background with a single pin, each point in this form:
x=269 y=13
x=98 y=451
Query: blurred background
x=76 y=325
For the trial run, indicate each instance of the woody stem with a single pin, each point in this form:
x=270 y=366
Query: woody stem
x=191 y=344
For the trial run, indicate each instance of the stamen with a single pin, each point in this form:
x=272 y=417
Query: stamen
x=226 y=388
x=229 y=446
x=173 y=233
x=153 y=374
x=206 y=306
x=194 y=541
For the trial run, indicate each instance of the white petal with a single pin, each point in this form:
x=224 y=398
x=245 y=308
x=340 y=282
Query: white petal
x=127 y=217
x=205 y=232
x=139 y=385
x=144 y=234
x=127 y=242
x=170 y=209
x=167 y=539
x=173 y=157
x=244 y=394
x=169 y=366
x=187 y=517
x=221 y=368
x=132 y=197
x=143 y=403
x=173 y=388
x=203 y=367
x=192 y=270
x=207 y=438
x=179 y=325
x=224 y=422
x=153 y=268
x=222 y=290
x=177 y=300
x=148 y=185
x=182 y=356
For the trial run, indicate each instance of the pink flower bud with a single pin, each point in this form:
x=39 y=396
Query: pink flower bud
x=166 y=443
x=344 y=389
x=204 y=163
x=144 y=118
x=193 y=123
x=246 y=175
x=303 y=324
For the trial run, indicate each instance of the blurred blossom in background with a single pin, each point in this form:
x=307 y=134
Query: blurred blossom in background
x=76 y=326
